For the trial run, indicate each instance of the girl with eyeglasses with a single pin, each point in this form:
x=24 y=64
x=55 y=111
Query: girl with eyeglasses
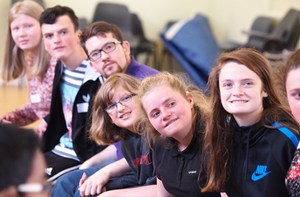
x=116 y=110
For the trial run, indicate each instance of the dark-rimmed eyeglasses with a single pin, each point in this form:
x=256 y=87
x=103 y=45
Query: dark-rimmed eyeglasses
x=34 y=187
x=111 y=108
x=107 y=48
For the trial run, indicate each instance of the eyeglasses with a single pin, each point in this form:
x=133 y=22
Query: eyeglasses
x=107 y=48
x=123 y=101
x=34 y=187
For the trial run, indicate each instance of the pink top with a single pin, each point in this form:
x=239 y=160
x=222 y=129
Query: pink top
x=39 y=99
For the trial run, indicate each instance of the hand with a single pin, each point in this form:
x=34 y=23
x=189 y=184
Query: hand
x=93 y=185
x=41 y=128
x=4 y=121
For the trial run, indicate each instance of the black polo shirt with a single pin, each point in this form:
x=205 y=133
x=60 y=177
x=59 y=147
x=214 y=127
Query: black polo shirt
x=179 y=171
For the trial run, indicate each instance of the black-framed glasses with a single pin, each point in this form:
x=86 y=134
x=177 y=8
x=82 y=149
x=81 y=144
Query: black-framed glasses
x=107 y=48
x=111 y=108
x=34 y=187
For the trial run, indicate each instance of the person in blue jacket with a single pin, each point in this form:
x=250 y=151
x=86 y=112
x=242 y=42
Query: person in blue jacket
x=251 y=137
x=109 y=53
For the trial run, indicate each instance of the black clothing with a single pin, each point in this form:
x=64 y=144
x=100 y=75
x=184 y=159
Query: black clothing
x=179 y=171
x=260 y=159
x=140 y=158
x=83 y=146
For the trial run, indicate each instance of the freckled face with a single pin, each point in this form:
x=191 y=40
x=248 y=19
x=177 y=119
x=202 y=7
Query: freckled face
x=169 y=112
x=241 y=93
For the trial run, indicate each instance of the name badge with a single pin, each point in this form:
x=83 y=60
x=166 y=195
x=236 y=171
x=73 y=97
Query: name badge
x=36 y=98
x=82 y=107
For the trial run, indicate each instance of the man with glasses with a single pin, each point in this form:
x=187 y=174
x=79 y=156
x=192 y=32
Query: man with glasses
x=64 y=133
x=108 y=53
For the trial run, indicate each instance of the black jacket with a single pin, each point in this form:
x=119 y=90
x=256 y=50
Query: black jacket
x=260 y=159
x=83 y=146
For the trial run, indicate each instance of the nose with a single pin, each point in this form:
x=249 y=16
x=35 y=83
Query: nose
x=165 y=114
x=120 y=106
x=104 y=55
x=22 y=32
x=238 y=90
x=56 y=38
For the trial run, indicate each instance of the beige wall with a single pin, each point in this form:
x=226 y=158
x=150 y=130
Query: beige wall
x=227 y=17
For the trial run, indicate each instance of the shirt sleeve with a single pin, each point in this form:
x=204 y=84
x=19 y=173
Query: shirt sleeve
x=40 y=92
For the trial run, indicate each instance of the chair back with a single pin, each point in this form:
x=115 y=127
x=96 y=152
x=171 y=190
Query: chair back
x=263 y=25
x=286 y=33
x=114 y=13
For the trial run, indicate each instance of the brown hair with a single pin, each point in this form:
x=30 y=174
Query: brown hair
x=102 y=129
x=101 y=28
x=218 y=138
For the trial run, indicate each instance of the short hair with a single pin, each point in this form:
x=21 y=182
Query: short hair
x=14 y=62
x=50 y=15
x=101 y=28
x=18 y=147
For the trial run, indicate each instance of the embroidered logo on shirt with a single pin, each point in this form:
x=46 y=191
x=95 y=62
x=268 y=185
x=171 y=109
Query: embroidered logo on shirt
x=259 y=173
x=49 y=171
x=192 y=172
x=86 y=98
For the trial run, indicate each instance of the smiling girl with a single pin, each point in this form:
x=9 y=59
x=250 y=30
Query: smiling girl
x=251 y=137
x=177 y=115
x=116 y=111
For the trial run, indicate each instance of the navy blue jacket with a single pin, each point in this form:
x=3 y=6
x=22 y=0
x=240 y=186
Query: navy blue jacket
x=260 y=159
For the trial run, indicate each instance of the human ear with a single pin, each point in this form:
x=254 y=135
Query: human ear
x=189 y=97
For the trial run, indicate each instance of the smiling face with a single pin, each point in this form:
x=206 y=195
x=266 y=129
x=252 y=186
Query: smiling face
x=241 y=93
x=110 y=63
x=292 y=86
x=169 y=112
x=26 y=32
x=61 y=38
x=127 y=112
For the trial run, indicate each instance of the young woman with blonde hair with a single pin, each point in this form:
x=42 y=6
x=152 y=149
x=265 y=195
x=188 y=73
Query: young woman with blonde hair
x=177 y=113
x=25 y=56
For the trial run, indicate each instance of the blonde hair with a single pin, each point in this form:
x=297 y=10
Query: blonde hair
x=14 y=60
x=179 y=83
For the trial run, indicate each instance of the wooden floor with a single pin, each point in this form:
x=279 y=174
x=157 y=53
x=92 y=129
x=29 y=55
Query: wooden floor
x=12 y=97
